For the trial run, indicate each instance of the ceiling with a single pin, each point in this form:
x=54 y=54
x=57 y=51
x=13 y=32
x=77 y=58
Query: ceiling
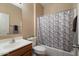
x=20 y=5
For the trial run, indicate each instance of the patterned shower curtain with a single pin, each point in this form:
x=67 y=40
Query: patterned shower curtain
x=55 y=30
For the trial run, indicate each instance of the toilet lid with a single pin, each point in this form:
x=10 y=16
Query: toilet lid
x=40 y=48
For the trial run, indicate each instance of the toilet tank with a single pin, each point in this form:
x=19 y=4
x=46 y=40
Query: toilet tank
x=33 y=39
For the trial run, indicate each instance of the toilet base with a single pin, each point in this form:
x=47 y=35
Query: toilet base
x=36 y=54
x=39 y=50
x=40 y=54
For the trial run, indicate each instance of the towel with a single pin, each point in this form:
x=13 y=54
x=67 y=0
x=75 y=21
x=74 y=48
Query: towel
x=74 y=24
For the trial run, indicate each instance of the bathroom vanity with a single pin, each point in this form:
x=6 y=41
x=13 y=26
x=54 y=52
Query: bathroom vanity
x=23 y=51
x=20 y=47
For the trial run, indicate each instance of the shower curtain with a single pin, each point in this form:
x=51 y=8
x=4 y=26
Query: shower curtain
x=55 y=30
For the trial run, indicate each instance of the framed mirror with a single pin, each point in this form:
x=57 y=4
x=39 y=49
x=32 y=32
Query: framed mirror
x=10 y=21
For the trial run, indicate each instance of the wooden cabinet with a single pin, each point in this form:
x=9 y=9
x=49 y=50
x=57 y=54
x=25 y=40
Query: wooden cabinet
x=23 y=51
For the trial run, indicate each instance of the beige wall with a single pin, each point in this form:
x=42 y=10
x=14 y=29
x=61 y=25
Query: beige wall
x=28 y=20
x=39 y=10
x=14 y=13
x=55 y=7
x=78 y=22
x=9 y=36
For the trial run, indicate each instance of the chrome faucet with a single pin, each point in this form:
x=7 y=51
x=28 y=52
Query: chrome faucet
x=12 y=41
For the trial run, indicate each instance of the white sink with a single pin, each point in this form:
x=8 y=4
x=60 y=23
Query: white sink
x=6 y=46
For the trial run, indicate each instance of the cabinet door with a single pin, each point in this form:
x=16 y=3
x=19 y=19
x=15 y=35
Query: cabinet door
x=29 y=53
x=21 y=51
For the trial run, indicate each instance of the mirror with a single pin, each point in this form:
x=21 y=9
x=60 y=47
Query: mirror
x=4 y=24
x=10 y=19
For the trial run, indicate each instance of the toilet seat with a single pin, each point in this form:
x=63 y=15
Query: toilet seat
x=39 y=49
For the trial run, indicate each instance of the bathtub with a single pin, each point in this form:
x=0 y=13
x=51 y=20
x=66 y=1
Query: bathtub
x=51 y=51
x=56 y=52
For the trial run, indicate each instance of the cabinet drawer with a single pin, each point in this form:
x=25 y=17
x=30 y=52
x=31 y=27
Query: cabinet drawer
x=21 y=51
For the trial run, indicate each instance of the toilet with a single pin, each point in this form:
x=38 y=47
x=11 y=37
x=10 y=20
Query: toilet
x=39 y=50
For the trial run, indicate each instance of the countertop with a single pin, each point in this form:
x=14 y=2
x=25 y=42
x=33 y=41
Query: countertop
x=6 y=47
